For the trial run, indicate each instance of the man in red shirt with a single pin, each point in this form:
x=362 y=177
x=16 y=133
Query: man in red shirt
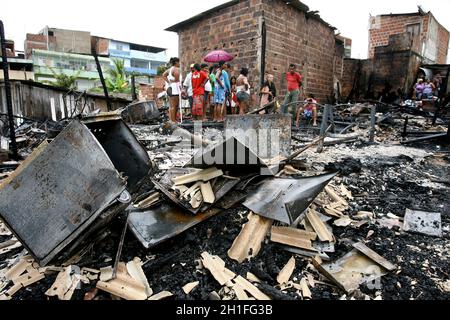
x=199 y=79
x=294 y=82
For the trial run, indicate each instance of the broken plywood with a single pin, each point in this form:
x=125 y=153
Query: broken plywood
x=293 y=237
x=248 y=243
x=207 y=193
x=319 y=226
x=251 y=289
x=65 y=284
x=202 y=175
x=286 y=272
x=190 y=286
x=124 y=286
x=217 y=268
x=134 y=269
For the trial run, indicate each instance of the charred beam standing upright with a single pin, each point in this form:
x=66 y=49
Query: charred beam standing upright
x=12 y=132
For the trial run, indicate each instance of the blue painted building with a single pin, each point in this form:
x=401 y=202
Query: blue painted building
x=139 y=59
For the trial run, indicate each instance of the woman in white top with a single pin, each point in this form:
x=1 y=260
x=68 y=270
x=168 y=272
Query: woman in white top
x=172 y=77
x=243 y=91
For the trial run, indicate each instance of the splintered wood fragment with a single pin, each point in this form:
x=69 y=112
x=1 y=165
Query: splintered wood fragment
x=216 y=266
x=29 y=278
x=251 y=289
x=295 y=233
x=134 y=269
x=252 y=278
x=190 y=286
x=319 y=227
x=346 y=192
x=374 y=256
x=149 y=201
x=13 y=290
x=306 y=293
x=10 y=247
x=18 y=269
x=124 y=286
x=248 y=243
x=204 y=175
x=161 y=295
x=106 y=274
x=286 y=272
x=292 y=238
x=190 y=192
x=196 y=200
x=207 y=193
x=332 y=212
x=344 y=221
x=333 y=195
x=61 y=285
x=240 y=292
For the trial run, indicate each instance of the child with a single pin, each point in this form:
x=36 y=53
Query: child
x=308 y=110
x=199 y=79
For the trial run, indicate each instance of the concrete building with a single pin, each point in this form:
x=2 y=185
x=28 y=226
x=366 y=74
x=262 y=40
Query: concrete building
x=139 y=59
x=19 y=67
x=69 y=52
x=266 y=36
x=429 y=38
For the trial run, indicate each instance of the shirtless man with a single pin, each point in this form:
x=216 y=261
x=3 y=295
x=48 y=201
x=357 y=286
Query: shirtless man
x=243 y=91
x=172 y=77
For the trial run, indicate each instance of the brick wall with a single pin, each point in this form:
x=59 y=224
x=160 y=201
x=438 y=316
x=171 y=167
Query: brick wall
x=150 y=92
x=381 y=27
x=443 y=37
x=234 y=29
x=291 y=38
x=393 y=67
x=38 y=41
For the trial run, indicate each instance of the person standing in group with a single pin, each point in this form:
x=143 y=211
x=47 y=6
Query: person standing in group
x=309 y=110
x=268 y=91
x=243 y=91
x=208 y=90
x=188 y=86
x=428 y=89
x=172 y=77
x=294 y=83
x=212 y=80
x=226 y=78
x=418 y=89
x=233 y=99
x=199 y=79
x=219 y=93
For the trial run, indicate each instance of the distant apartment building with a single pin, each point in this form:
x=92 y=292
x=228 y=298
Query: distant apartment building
x=430 y=39
x=19 y=67
x=139 y=59
x=69 y=51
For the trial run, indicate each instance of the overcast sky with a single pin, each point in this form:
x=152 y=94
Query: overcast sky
x=144 y=21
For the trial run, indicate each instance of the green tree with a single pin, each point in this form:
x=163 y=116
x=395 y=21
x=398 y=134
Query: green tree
x=63 y=80
x=117 y=80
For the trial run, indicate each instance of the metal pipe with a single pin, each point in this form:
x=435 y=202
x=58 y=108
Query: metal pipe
x=432 y=137
x=12 y=132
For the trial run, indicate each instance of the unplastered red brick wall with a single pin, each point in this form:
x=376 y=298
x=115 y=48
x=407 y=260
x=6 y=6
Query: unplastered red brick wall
x=381 y=27
x=234 y=29
x=150 y=92
x=306 y=42
x=291 y=38
x=443 y=37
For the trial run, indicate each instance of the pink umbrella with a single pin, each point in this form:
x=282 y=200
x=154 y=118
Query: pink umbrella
x=217 y=56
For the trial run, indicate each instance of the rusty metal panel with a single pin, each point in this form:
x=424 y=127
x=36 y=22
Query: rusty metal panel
x=60 y=192
x=266 y=135
x=166 y=221
x=285 y=199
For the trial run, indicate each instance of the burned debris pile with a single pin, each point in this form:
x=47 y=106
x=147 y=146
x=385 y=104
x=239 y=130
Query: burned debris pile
x=124 y=206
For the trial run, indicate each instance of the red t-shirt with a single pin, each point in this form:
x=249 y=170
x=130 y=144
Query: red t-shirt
x=293 y=81
x=198 y=78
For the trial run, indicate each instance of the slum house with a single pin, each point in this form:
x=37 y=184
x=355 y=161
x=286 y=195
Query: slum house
x=19 y=67
x=399 y=44
x=44 y=102
x=266 y=36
